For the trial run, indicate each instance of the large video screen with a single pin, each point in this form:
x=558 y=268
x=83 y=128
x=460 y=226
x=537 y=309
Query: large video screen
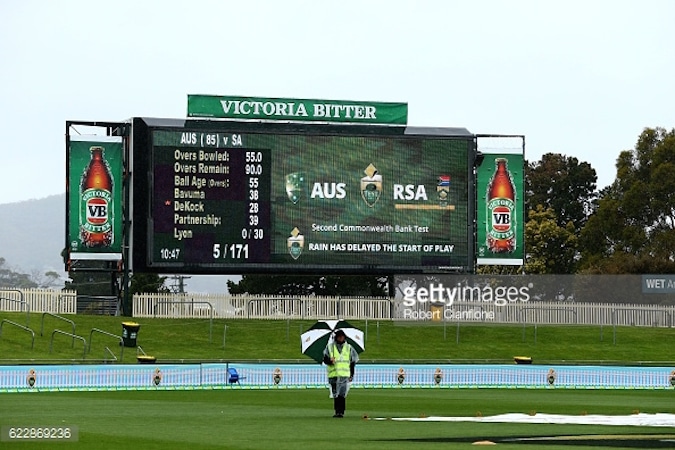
x=236 y=199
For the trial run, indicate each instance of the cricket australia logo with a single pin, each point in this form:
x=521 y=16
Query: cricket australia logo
x=295 y=243
x=371 y=186
x=295 y=185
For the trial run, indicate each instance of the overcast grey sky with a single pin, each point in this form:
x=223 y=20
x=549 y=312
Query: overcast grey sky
x=582 y=78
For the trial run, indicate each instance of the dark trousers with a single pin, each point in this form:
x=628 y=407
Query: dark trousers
x=338 y=387
x=339 y=404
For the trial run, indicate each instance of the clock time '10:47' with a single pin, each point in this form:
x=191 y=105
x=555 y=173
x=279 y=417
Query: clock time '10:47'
x=169 y=253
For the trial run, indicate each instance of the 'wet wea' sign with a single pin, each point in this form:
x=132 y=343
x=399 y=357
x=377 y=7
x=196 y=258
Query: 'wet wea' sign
x=658 y=284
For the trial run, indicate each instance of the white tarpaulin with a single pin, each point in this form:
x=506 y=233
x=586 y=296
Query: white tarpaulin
x=641 y=419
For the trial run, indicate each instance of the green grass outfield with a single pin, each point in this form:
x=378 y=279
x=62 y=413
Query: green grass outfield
x=301 y=419
x=175 y=340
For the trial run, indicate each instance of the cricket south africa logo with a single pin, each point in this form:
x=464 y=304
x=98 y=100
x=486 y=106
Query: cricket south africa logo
x=443 y=190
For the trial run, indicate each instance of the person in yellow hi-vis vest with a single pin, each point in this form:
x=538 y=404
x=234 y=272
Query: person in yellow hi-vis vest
x=340 y=359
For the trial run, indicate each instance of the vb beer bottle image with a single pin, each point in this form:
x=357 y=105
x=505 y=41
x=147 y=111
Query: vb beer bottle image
x=96 y=198
x=501 y=210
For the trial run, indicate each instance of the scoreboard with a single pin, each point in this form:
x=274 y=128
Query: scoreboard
x=239 y=197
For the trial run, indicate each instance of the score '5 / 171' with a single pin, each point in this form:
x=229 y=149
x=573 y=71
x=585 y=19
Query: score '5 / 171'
x=231 y=251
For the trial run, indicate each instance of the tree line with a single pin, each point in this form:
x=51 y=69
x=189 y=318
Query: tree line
x=627 y=227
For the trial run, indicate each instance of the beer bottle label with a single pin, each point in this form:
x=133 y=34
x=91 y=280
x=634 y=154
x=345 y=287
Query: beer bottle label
x=95 y=209
x=500 y=212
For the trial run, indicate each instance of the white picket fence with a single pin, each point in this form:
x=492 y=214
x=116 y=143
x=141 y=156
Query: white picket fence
x=277 y=307
x=38 y=300
x=313 y=308
x=258 y=307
